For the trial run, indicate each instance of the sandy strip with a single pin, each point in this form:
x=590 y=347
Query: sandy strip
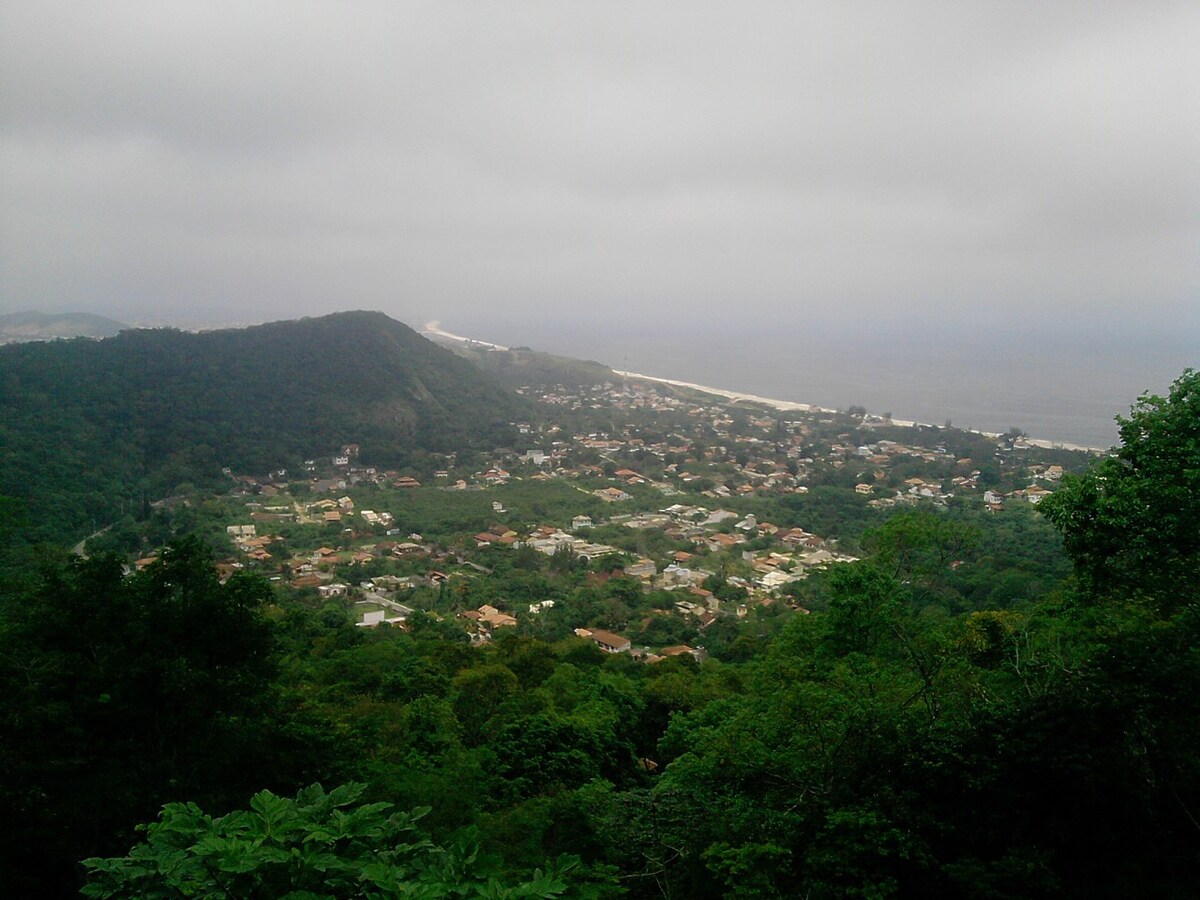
x=782 y=405
x=790 y=406
x=435 y=329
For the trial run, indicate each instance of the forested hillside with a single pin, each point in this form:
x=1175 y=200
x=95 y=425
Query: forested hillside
x=895 y=736
x=92 y=430
x=520 y=366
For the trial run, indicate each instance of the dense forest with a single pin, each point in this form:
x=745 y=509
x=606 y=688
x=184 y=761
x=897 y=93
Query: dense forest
x=92 y=430
x=908 y=738
x=519 y=366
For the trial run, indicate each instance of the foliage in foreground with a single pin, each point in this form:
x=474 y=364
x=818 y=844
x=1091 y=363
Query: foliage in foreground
x=317 y=845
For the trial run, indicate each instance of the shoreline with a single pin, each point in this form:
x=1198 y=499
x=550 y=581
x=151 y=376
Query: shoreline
x=433 y=328
x=793 y=406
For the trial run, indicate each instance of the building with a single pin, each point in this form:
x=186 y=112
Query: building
x=606 y=640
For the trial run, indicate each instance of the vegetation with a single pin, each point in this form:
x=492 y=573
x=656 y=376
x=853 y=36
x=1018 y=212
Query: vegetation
x=91 y=431
x=987 y=703
x=521 y=366
x=316 y=845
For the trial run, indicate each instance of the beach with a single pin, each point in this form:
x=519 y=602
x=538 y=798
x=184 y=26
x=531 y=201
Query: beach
x=433 y=329
x=791 y=406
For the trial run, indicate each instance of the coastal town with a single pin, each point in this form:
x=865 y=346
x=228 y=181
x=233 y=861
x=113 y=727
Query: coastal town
x=686 y=517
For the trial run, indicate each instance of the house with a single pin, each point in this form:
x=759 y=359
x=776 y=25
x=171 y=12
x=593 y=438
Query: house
x=581 y=522
x=680 y=650
x=720 y=541
x=612 y=495
x=794 y=536
x=1036 y=493
x=376 y=617
x=674 y=574
x=643 y=568
x=587 y=551
x=815 y=558
x=489 y=615
x=498 y=534
x=331 y=590
x=409 y=549
x=776 y=579
x=609 y=642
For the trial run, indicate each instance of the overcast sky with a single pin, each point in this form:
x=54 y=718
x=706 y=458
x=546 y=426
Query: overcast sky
x=979 y=165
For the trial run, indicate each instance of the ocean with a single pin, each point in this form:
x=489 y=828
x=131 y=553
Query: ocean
x=1063 y=389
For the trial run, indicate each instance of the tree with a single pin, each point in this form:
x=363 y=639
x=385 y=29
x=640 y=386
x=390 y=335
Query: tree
x=1132 y=524
x=478 y=694
x=124 y=692
x=920 y=548
x=865 y=606
x=316 y=845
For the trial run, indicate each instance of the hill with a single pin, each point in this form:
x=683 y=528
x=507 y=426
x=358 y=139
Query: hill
x=90 y=429
x=36 y=326
x=520 y=366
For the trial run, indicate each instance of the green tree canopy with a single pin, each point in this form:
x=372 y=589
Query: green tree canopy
x=122 y=692
x=1132 y=524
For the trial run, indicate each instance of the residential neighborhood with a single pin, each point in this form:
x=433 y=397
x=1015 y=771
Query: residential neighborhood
x=703 y=511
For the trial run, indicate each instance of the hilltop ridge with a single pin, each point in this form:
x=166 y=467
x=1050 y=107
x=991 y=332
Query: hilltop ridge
x=99 y=425
x=20 y=327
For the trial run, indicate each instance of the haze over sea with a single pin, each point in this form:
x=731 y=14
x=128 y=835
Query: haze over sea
x=1059 y=388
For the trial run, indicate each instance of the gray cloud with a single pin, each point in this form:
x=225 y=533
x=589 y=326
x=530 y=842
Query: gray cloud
x=894 y=162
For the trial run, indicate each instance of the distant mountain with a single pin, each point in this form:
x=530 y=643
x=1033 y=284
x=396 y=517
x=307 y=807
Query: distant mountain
x=89 y=428
x=35 y=326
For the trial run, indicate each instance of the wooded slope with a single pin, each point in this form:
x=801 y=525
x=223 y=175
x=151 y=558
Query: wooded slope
x=90 y=428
